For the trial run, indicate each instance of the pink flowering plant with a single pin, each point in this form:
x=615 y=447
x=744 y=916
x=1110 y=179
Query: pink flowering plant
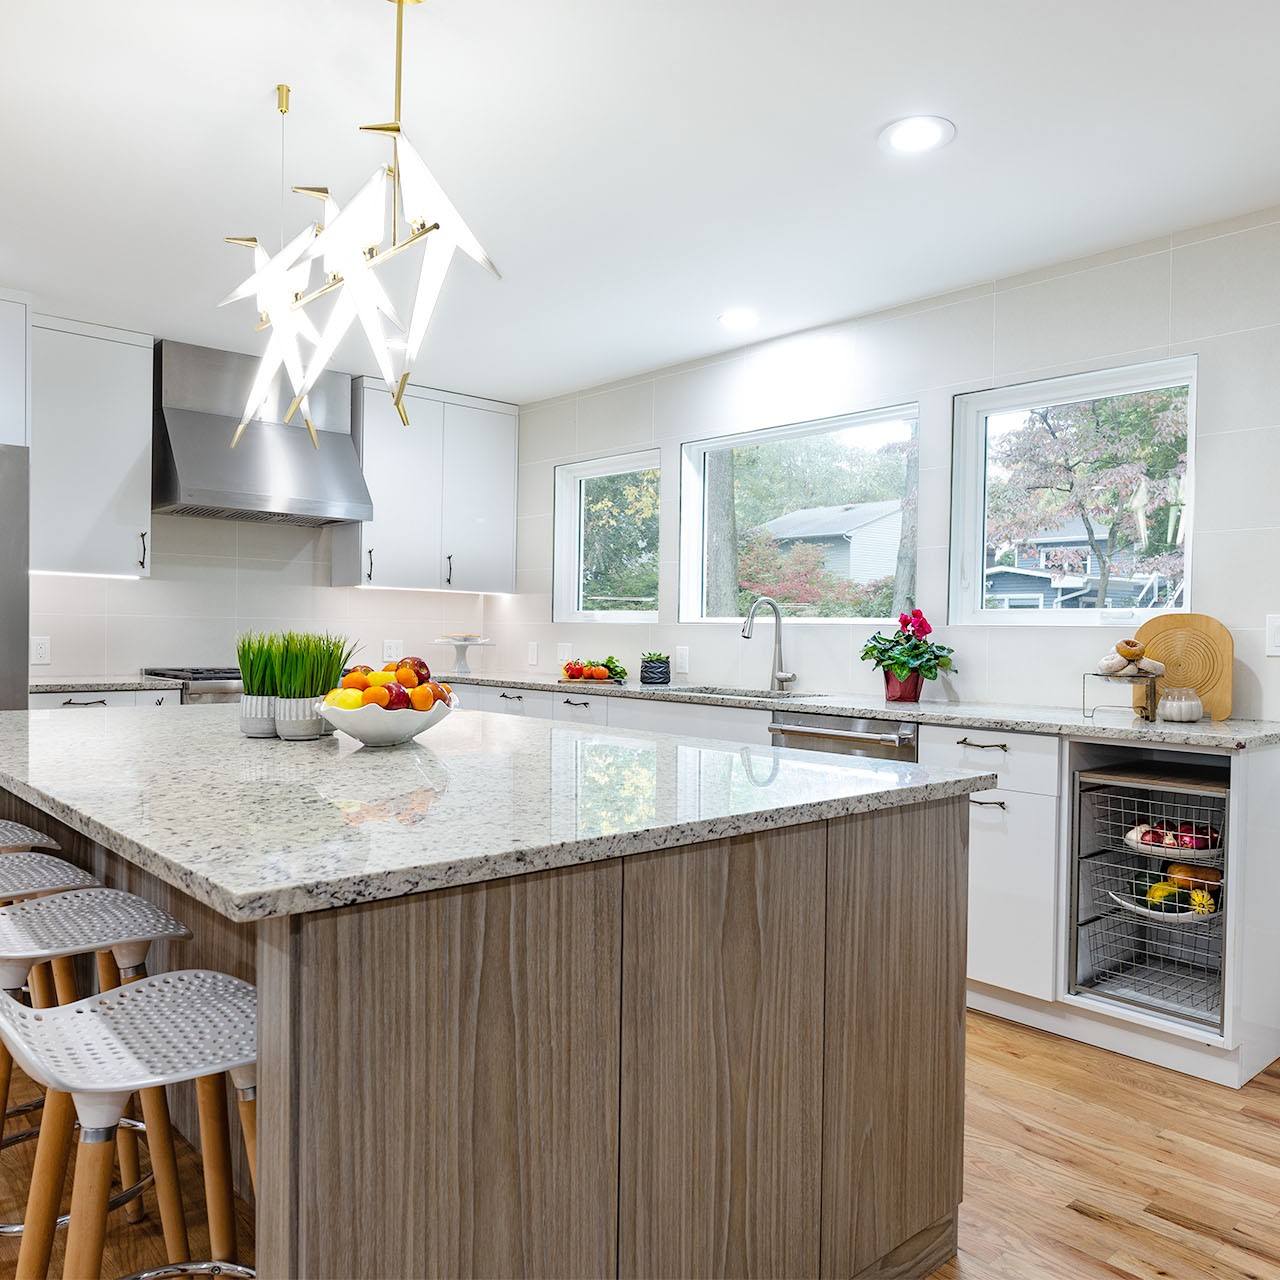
x=909 y=649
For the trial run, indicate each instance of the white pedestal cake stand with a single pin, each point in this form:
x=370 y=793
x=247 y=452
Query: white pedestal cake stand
x=460 y=667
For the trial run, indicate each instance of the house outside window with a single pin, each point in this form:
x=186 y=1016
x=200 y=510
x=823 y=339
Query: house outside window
x=1072 y=498
x=819 y=515
x=606 y=539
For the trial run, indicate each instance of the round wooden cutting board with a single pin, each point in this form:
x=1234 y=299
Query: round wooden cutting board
x=1197 y=652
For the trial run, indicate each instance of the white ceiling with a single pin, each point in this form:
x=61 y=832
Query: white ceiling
x=633 y=169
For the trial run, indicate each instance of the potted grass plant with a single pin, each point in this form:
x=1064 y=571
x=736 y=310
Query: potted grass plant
x=307 y=666
x=255 y=653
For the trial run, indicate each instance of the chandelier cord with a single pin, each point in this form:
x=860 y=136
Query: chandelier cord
x=282 y=178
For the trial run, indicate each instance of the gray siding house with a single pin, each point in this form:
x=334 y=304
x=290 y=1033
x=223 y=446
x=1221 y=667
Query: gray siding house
x=858 y=541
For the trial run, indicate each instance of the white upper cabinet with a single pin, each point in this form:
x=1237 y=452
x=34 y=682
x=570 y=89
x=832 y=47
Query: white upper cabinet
x=90 y=448
x=479 y=499
x=15 y=369
x=443 y=491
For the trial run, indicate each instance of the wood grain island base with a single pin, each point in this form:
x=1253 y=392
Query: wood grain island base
x=740 y=1058
x=736 y=1053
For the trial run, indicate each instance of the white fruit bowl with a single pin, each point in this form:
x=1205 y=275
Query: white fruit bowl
x=377 y=727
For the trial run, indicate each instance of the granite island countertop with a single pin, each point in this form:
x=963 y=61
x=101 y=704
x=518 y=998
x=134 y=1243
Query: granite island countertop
x=258 y=828
x=1108 y=723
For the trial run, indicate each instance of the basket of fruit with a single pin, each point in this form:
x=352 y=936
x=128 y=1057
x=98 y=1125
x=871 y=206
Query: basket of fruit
x=385 y=708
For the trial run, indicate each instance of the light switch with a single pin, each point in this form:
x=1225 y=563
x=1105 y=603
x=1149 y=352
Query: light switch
x=533 y=653
x=1273 y=635
x=682 y=659
x=392 y=650
x=564 y=652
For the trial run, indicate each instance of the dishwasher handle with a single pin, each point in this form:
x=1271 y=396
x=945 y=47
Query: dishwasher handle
x=842 y=735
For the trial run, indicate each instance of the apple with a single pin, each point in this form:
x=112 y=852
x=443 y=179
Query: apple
x=418 y=667
x=361 y=668
x=398 y=696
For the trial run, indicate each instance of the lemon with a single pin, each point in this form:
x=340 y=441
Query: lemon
x=331 y=698
x=349 y=699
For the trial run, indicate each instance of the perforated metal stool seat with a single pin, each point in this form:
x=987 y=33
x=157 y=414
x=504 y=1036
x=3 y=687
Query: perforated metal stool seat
x=79 y=922
x=32 y=875
x=17 y=837
x=161 y=1030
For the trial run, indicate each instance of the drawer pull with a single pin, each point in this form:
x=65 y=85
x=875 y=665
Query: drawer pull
x=983 y=746
x=94 y=702
x=989 y=804
x=512 y=697
x=569 y=702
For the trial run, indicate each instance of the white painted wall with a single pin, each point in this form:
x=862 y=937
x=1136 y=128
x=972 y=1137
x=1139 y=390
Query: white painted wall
x=1214 y=291
x=210 y=580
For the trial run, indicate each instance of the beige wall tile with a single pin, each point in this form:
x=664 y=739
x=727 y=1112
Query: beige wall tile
x=1226 y=284
x=695 y=404
x=617 y=420
x=77 y=645
x=549 y=430
x=1237 y=380
x=1236 y=483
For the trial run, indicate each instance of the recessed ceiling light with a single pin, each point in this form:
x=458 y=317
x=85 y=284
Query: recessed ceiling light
x=739 y=319
x=917 y=134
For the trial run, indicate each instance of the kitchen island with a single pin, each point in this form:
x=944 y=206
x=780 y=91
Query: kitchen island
x=540 y=1000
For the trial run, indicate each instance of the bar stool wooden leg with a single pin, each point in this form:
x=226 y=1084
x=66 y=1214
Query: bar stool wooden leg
x=47 y=1176
x=87 y=1234
x=64 y=980
x=164 y=1164
x=40 y=981
x=108 y=971
x=247 y=1102
x=215 y=1151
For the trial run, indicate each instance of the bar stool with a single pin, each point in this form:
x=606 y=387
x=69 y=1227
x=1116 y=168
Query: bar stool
x=17 y=837
x=190 y=1024
x=56 y=928
x=25 y=875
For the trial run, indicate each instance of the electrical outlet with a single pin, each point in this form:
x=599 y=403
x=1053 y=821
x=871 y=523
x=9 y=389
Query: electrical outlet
x=41 y=652
x=1272 y=642
x=564 y=652
x=392 y=650
x=533 y=653
x=682 y=659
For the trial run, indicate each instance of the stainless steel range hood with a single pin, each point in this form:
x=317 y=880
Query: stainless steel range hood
x=274 y=473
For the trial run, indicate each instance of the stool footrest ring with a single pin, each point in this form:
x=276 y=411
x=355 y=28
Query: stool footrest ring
x=194 y=1269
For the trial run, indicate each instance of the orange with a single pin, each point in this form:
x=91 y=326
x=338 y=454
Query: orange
x=391 y=666
x=407 y=676
x=382 y=677
x=377 y=694
x=446 y=688
x=421 y=697
x=355 y=680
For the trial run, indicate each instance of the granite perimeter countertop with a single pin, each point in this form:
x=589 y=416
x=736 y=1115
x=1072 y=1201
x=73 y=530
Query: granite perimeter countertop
x=98 y=684
x=1108 y=722
x=257 y=828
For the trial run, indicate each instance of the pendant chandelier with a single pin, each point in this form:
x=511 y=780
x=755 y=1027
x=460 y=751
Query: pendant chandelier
x=400 y=207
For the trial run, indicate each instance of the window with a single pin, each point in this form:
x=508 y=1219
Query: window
x=606 y=539
x=820 y=515
x=1071 y=498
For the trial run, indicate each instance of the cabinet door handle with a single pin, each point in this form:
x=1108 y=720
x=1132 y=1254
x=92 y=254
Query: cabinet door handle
x=513 y=697
x=369 y=575
x=143 y=562
x=989 y=804
x=983 y=746
x=448 y=577
x=94 y=702
x=569 y=702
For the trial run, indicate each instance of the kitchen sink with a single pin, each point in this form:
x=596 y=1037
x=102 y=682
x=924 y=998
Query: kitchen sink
x=724 y=691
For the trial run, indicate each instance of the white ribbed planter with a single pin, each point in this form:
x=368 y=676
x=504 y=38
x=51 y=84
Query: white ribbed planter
x=257 y=716
x=298 y=719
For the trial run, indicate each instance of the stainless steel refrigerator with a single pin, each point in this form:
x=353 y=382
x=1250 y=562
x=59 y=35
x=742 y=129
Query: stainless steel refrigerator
x=14 y=585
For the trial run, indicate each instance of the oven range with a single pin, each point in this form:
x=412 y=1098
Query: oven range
x=203 y=684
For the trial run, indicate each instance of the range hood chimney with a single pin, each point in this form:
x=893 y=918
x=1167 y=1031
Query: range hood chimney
x=274 y=474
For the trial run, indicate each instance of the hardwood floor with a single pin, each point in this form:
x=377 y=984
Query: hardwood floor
x=1078 y=1164
x=1081 y=1164
x=130 y=1247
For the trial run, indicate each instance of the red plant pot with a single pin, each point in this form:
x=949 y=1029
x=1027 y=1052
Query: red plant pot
x=907 y=690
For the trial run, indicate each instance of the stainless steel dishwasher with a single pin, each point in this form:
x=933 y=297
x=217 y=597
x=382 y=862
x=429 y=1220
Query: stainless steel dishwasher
x=845 y=735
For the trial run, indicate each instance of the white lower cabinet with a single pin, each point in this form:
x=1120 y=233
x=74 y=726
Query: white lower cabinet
x=72 y=699
x=518 y=702
x=692 y=719
x=578 y=708
x=1012 y=883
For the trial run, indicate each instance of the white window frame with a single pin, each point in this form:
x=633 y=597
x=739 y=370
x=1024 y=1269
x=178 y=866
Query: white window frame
x=693 y=457
x=566 y=574
x=969 y=497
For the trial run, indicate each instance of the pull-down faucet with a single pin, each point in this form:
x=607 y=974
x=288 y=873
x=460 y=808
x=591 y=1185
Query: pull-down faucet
x=777 y=677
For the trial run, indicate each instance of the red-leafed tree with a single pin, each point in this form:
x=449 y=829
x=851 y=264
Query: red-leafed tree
x=1117 y=464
